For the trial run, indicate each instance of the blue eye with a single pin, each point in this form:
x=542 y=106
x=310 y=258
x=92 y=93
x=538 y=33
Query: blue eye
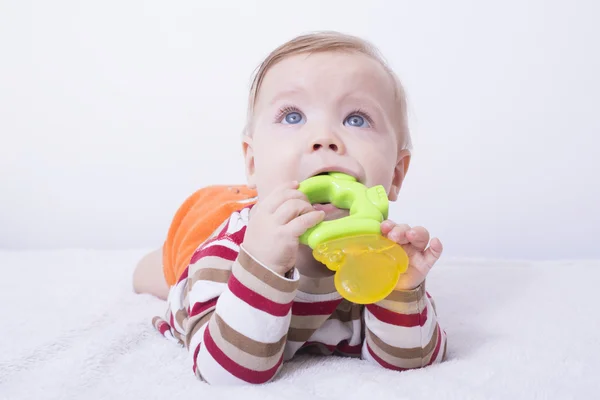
x=293 y=117
x=357 y=121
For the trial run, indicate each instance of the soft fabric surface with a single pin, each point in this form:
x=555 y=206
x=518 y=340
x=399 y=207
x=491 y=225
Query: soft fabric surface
x=73 y=329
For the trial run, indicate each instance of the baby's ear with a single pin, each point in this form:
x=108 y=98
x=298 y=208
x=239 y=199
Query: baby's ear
x=248 y=160
x=399 y=173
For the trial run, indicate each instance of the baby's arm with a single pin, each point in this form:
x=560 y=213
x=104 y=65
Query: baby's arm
x=238 y=317
x=403 y=331
x=148 y=276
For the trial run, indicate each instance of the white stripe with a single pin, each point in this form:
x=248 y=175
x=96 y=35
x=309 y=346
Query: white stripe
x=170 y=337
x=295 y=274
x=366 y=355
x=212 y=262
x=212 y=371
x=332 y=332
x=238 y=221
x=230 y=244
x=205 y=290
x=176 y=295
x=400 y=336
x=251 y=322
x=440 y=354
x=356 y=338
x=196 y=340
x=290 y=349
x=303 y=297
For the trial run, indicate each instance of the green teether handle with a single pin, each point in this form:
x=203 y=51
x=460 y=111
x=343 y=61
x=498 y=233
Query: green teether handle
x=368 y=207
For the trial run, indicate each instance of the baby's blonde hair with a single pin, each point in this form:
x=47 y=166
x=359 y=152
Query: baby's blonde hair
x=331 y=41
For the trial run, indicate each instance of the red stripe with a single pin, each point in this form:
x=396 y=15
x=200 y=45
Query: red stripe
x=215 y=250
x=234 y=368
x=237 y=237
x=394 y=318
x=437 y=346
x=196 y=351
x=346 y=348
x=256 y=300
x=200 y=307
x=224 y=230
x=382 y=362
x=163 y=327
x=318 y=308
x=184 y=275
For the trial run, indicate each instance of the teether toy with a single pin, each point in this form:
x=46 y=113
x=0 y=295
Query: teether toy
x=367 y=264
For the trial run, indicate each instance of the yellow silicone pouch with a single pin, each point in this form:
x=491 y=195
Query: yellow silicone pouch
x=367 y=264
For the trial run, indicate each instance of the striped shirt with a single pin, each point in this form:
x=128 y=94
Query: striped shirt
x=239 y=320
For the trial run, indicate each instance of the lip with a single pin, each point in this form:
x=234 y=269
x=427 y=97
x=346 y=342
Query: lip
x=335 y=169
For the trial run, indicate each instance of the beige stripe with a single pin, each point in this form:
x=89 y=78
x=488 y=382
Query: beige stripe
x=405 y=353
x=299 y=334
x=398 y=362
x=181 y=317
x=308 y=321
x=445 y=348
x=186 y=302
x=211 y=274
x=346 y=312
x=236 y=349
x=210 y=262
x=177 y=336
x=433 y=305
x=247 y=345
x=317 y=285
x=413 y=307
x=260 y=287
x=408 y=296
x=264 y=275
x=197 y=323
x=429 y=355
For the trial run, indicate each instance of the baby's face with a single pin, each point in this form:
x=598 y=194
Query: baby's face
x=323 y=112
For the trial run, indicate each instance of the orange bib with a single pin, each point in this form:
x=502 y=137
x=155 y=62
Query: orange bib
x=196 y=219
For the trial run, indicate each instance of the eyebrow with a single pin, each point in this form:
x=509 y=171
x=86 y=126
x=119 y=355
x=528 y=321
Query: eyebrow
x=286 y=93
x=361 y=96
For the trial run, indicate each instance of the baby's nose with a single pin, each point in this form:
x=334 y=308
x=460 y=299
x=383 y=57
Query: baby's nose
x=332 y=146
x=327 y=142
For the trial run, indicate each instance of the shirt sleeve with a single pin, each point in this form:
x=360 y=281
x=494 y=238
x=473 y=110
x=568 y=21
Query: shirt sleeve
x=238 y=321
x=402 y=331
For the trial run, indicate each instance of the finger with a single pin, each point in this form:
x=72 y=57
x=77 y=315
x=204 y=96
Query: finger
x=280 y=194
x=398 y=234
x=291 y=209
x=418 y=237
x=433 y=253
x=301 y=224
x=387 y=226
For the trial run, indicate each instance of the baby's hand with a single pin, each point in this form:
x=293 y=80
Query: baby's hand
x=276 y=223
x=414 y=241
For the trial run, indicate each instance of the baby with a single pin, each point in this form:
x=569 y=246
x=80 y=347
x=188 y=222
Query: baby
x=243 y=295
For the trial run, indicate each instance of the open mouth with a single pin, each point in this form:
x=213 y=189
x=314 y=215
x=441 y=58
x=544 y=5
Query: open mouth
x=335 y=170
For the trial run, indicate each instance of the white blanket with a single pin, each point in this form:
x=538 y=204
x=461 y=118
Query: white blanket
x=71 y=328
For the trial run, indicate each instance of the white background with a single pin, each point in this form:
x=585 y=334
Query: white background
x=112 y=112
